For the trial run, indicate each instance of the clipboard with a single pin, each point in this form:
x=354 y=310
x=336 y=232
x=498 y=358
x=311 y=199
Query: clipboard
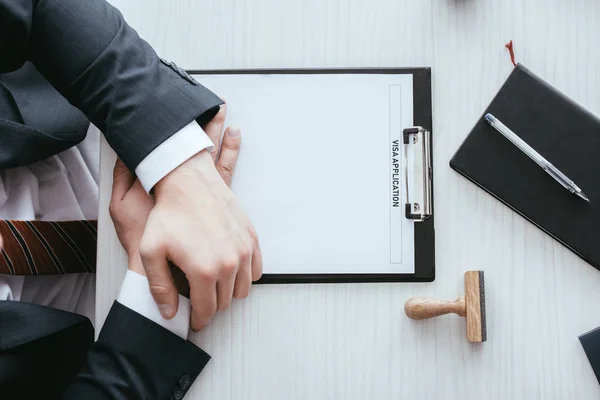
x=417 y=200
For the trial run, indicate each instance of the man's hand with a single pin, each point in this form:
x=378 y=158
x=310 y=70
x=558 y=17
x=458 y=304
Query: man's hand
x=198 y=225
x=129 y=208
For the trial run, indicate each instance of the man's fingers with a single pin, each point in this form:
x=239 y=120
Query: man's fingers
x=230 y=150
x=257 y=264
x=159 y=276
x=181 y=282
x=203 y=297
x=225 y=290
x=243 y=280
x=123 y=179
x=214 y=129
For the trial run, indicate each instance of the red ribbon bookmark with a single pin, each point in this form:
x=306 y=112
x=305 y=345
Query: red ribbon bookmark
x=511 y=50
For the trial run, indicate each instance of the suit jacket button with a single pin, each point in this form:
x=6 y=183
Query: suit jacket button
x=185 y=382
x=188 y=77
x=178 y=393
x=192 y=80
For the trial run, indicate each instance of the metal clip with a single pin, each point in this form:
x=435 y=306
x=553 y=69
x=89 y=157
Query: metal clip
x=418 y=186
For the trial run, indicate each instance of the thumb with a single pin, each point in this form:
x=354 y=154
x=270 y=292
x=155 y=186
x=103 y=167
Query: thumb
x=230 y=151
x=160 y=280
x=123 y=180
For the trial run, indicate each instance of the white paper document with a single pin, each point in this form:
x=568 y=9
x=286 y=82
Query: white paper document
x=321 y=170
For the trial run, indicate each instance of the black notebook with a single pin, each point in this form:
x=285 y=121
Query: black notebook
x=591 y=345
x=560 y=130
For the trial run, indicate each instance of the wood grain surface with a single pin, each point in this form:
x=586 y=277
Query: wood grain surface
x=354 y=341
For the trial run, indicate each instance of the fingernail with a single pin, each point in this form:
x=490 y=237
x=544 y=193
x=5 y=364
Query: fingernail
x=234 y=131
x=201 y=326
x=166 y=310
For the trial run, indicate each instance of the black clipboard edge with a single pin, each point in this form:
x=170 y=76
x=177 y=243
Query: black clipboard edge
x=424 y=231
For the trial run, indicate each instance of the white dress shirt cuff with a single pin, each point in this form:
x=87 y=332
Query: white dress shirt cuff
x=135 y=295
x=171 y=153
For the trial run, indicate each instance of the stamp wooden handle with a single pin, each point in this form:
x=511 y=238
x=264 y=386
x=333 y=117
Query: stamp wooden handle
x=423 y=308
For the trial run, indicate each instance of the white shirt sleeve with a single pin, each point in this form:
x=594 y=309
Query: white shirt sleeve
x=11 y=287
x=171 y=153
x=135 y=295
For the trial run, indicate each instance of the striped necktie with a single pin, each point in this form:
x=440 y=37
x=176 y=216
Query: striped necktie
x=46 y=248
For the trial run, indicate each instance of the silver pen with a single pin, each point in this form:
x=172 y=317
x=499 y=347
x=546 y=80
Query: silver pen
x=535 y=156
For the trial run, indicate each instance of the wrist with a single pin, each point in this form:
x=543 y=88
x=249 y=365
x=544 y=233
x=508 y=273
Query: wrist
x=199 y=168
x=136 y=265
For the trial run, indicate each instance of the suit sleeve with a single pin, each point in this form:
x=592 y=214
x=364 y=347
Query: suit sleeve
x=134 y=358
x=86 y=50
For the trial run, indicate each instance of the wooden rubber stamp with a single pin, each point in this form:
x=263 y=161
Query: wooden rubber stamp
x=471 y=306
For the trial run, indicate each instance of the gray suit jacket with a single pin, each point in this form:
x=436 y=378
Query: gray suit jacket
x=66 y=62
x=50 y=354
x=86 y=51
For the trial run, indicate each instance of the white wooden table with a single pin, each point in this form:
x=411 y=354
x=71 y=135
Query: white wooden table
x=353 y=341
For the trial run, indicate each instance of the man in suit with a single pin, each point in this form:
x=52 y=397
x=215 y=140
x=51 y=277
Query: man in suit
x=138 y=355
x=151 y=113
